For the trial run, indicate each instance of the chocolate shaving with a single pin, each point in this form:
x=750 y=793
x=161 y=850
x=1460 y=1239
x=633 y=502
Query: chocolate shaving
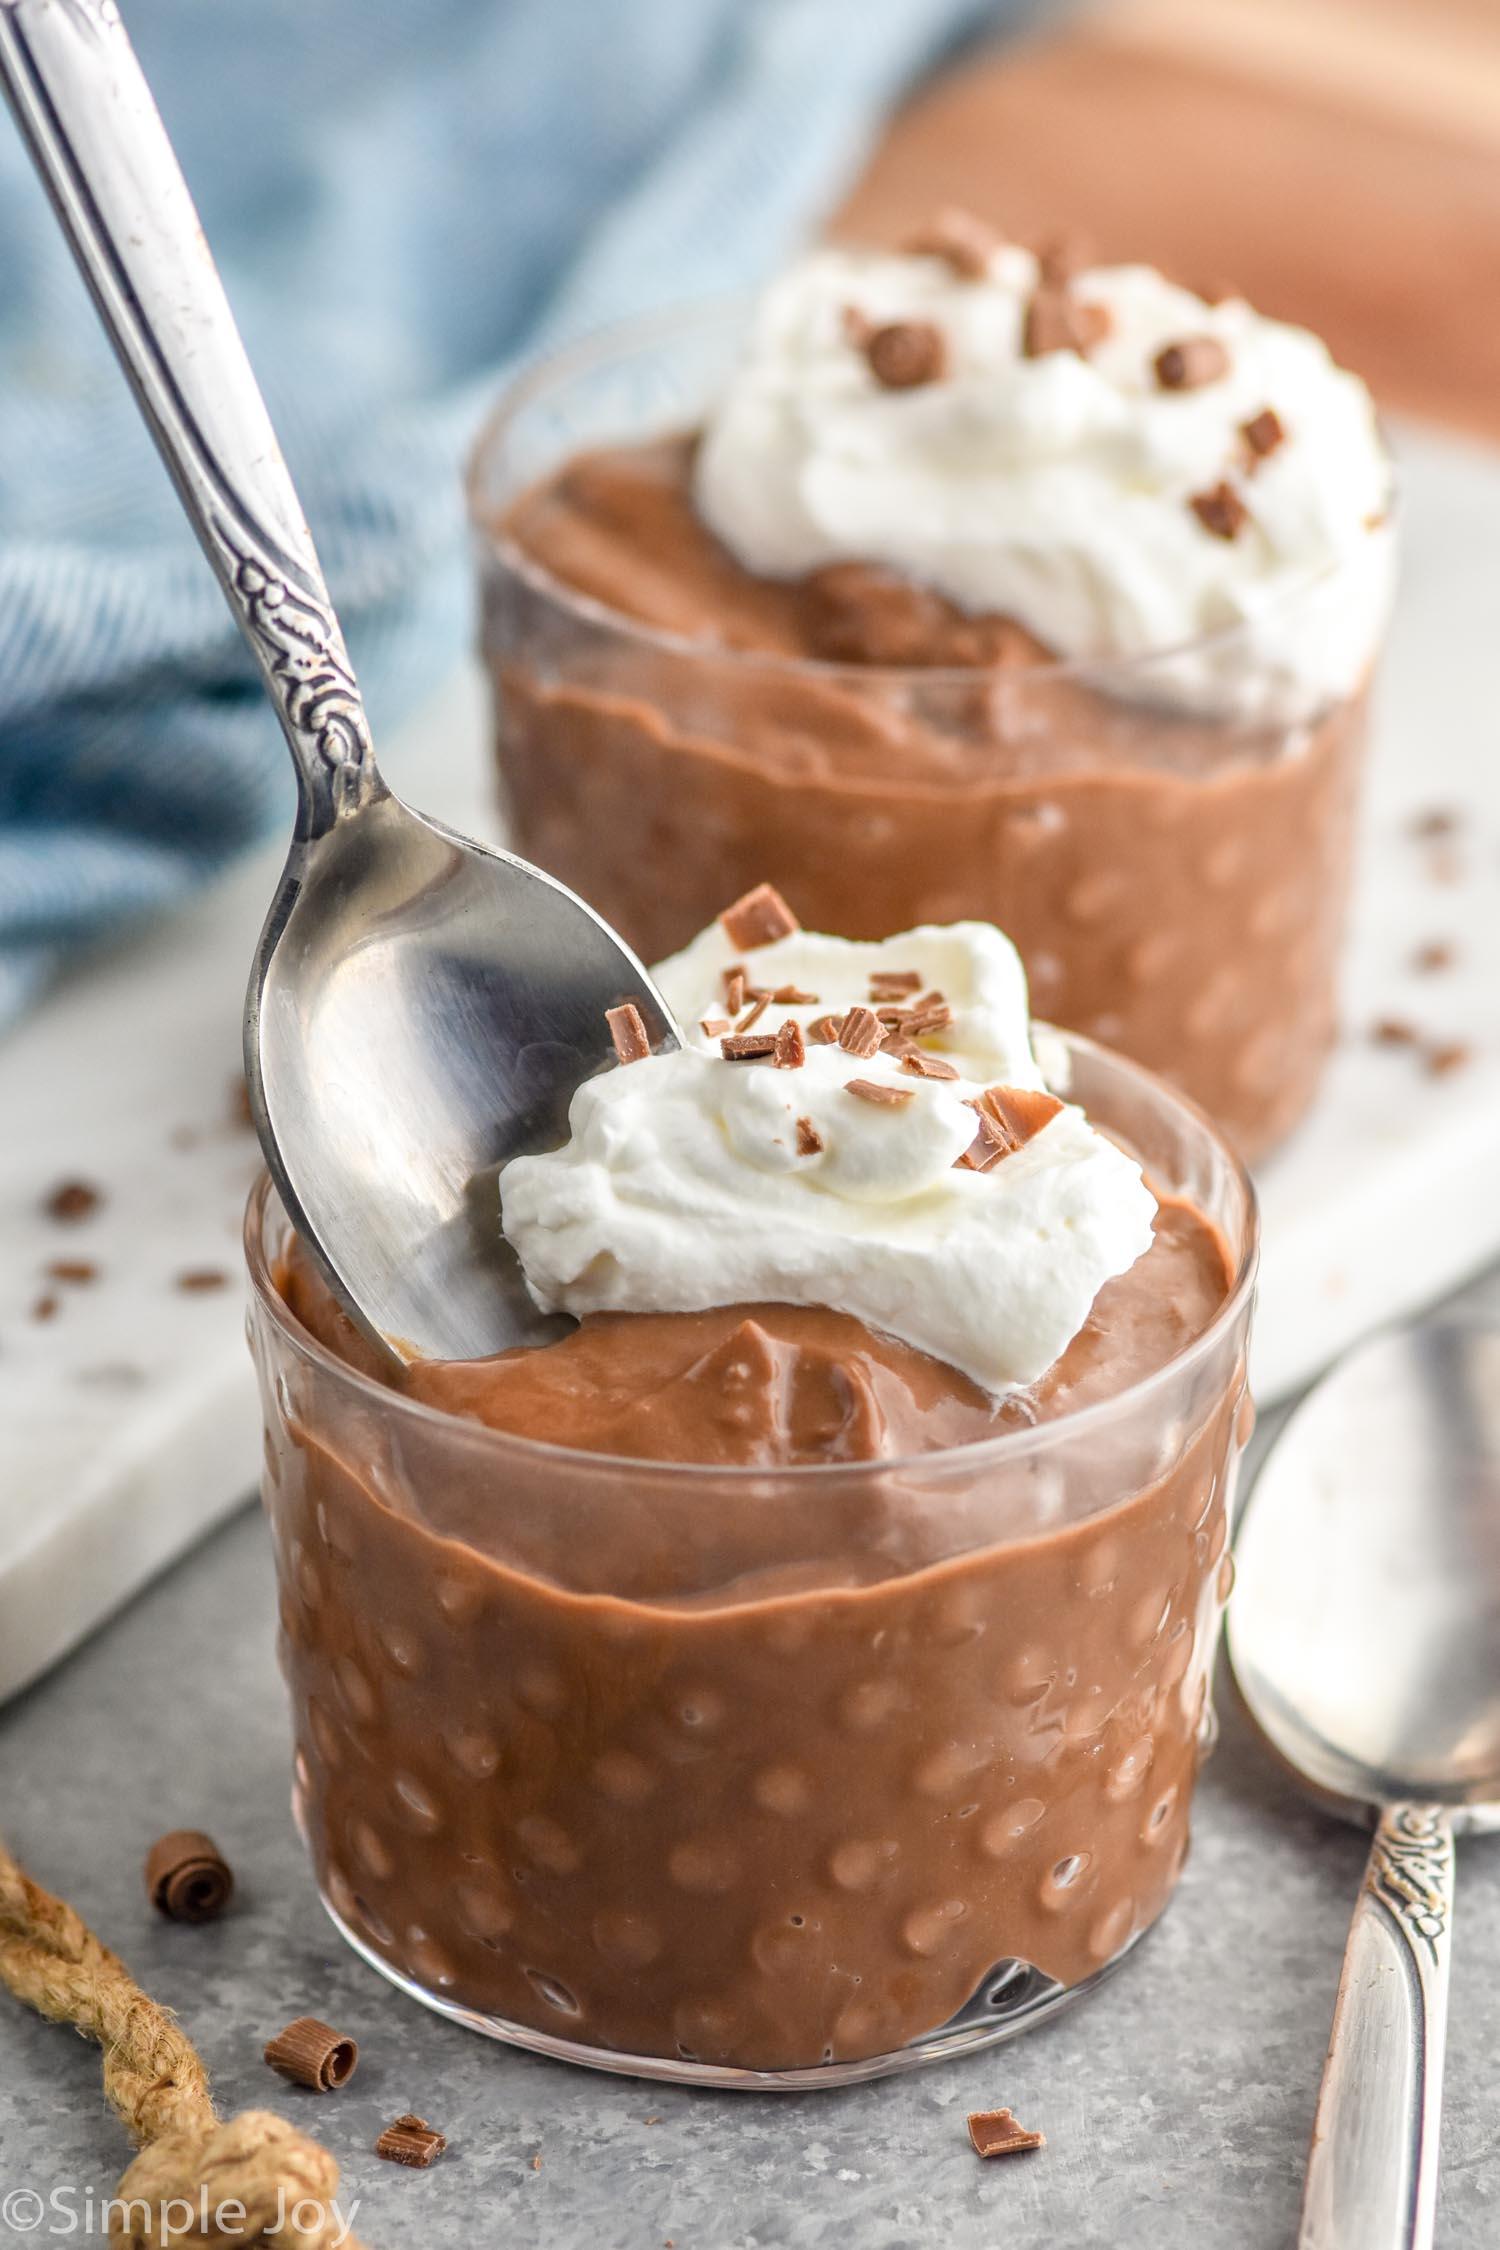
x=995 y=2132
x=187 y=1877
x=753 y=1014
x=313 y=2054
x=824 y=1030
x=1063 y=257
x=963 y=242
x=1263 y=433
x=752 y=1047
x=79 y=1270
x=1220 y=510
x=878 y=1091
x=905 y=354
x=1438 y=821
x=734 y=990
x=1394 y=1031
x=890 y=984
x=1192 y=363
x=789 y=996
x=759 y=918
x=713 y=1027
x=791 y=1054
x=809 y=1139
x=1058 y=322
x=409 y=2139
x=199 y=1281
x=1451 y=1055
x=46 y=1307
x=73 y=1200
x=930 y=1013
x=627 y=1029
x=241 y=1115
x=898 y=1043
x=860 y=1033
x=1009 y=1116
x=1427 y=960
x=927 y=1066
x=857 y=326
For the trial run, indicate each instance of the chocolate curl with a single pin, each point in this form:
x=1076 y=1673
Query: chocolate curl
x=187 y=1877
x=995 y=2132
x=313 y=2054
x=628 y=1032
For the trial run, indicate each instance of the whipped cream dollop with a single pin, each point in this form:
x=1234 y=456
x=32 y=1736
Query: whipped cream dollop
x=1057 y=489
x=690 y=1181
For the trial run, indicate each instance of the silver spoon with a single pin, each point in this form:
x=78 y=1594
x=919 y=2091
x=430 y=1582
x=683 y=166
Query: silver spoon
x=421 y=1008
x=1364 y=1631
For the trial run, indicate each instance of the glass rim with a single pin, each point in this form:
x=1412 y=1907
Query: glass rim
x=979 y=1454
x=608 y=341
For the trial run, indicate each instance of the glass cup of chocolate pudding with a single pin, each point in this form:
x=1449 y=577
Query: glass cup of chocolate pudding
x=749 y=1775
x=1166 y=834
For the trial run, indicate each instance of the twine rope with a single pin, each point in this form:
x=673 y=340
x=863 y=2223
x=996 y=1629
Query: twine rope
x=192 y=2167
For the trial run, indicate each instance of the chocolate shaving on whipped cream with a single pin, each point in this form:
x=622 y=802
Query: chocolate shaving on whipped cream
x=759 y=918
x=965 y=243
x=627 y=1030
x=1188 y=365
x=905 y=354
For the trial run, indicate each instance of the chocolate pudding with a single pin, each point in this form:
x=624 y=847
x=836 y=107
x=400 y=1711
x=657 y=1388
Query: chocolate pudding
x=1165 y=831
x=745 y=1688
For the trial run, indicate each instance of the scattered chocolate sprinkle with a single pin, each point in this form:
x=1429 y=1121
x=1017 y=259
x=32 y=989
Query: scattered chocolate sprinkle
x=1220 y=510
x=1263 y=432
x=76 y=1270
x=995 y=2132
x=187 y=1876
x=791 y=1053
x=1437 y=821
x=963 y=242
x=898 y=1043
x=536 y=2161
x=1450 y=1055
x=989 y=1144
x=1191 y=363
x=905 y=354
x=1394 y=1031
x=860 y=1032
x=409 y=2139
x=1057 y=322
x=809 y=1139
x=824 y=1030
x=73 y=1200
x=197 y=1281
x=759 y=918
x=754 y=1013
x=46 y=1308
x=734 y=990
x=789 y=996
x=754 y=1047
x=1063 y=257
x=1427 y=960
x=880 y=1092
x=927 y=1066
x=890 y=984
x=313 y=2054
x=627 y=1030
x=713 y=1027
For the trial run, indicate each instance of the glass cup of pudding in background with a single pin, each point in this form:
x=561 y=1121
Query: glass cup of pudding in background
x=1173 y=865
x=747 y=1776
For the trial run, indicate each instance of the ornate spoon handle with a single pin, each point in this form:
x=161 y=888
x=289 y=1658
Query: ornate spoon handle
x=95 y=136
x=1372 y=2175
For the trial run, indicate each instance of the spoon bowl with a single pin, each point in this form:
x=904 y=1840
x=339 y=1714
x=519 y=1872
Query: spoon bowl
x=1365 y=1626
x=421 y=1008
x=1364 y=1632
